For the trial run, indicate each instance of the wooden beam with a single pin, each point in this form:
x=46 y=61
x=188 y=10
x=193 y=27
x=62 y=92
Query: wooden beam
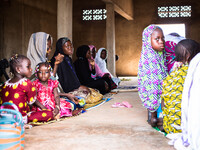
x=119 y=10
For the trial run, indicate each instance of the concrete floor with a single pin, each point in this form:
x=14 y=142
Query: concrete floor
x=102 y=128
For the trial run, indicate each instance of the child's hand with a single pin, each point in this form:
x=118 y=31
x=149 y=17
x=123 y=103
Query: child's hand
x=56 y=111
x=76 y=100
x=59 y=58
x=73 y=98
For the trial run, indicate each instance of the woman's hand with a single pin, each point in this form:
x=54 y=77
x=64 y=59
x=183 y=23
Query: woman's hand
x=38 y=104
x=92 y=63
x=72 y=98
x=59 y=58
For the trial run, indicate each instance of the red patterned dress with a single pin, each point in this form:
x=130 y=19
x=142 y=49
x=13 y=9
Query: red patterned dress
x=21 y=94
x=46 y=97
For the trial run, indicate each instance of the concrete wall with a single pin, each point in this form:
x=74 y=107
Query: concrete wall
x=20 y=18
x=88 y=32
x=129 y=33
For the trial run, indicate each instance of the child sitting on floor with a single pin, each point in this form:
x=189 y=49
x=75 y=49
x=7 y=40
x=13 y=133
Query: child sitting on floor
x=181 y=109
x=20 y=91
x=151 y=72
x=173 y=86
x=47 y=92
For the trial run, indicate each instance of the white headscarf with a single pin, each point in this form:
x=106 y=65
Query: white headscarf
x=173 y=38
x=37 y=48
x=102 y=62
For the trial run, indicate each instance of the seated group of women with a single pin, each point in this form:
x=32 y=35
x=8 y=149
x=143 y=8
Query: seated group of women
x=71 y=76
x=79 y=83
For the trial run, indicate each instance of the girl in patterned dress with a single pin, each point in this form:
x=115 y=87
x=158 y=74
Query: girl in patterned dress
x=47 y=92
x=151 y=71
x=20 y=91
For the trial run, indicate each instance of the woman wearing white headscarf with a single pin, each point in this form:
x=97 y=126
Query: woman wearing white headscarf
x=101 y=62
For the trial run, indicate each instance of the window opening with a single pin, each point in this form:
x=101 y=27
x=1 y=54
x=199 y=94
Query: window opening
x=170 y=28
x=94 y=14
x=174 y=11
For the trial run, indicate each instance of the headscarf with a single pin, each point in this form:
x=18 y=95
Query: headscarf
x=59 y=49
x=151 y=72
x=170 y=42
x=91 y=47
x=66 y=72
x=102 y=62
x=82 y=51
x=99 y=73
x=37 y=48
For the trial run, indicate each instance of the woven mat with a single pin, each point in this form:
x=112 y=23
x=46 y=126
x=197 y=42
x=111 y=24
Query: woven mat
x=86 y=107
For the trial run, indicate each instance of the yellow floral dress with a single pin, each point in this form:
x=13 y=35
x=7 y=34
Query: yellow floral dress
x=172 y=97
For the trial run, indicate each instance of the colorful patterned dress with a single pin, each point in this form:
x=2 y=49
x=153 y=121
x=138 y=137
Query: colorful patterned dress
x=170 y=54
x=172 y=97
x=46 y=97
x=151 y=72
x=21 y=94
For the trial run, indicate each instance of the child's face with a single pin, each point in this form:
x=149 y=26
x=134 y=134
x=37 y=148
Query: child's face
x=157 y=40
x=103 y=54
x=68 y=48
x=44 y=73
x=49 y=48
x=25 y=69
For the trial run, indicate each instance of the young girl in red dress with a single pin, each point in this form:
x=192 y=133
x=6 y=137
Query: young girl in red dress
x=47 y=92
x=20 y=91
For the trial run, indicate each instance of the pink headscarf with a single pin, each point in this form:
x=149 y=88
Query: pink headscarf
x=99 y=73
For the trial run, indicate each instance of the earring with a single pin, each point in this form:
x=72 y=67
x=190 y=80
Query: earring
x=11 y=74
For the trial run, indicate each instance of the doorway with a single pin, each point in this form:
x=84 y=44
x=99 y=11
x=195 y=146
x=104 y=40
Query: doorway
x=171 y=28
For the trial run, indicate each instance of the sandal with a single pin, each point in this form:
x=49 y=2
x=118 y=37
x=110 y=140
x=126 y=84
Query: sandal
x=117 y=105
x=126 y=104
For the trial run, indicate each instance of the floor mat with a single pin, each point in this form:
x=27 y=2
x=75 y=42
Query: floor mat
x=123 y=88
x=94 y=105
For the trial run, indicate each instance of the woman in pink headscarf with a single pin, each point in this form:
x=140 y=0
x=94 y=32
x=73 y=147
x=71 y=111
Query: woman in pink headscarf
x=171 y=40
x=99 y=73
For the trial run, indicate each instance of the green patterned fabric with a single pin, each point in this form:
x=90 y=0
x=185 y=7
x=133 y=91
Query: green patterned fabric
x=172 y=97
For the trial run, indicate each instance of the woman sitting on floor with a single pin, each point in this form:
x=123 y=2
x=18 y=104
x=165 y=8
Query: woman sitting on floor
x=100 y=60
x=99 y=73
x=85 y=75
x=67 y=75
x=39 y=49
